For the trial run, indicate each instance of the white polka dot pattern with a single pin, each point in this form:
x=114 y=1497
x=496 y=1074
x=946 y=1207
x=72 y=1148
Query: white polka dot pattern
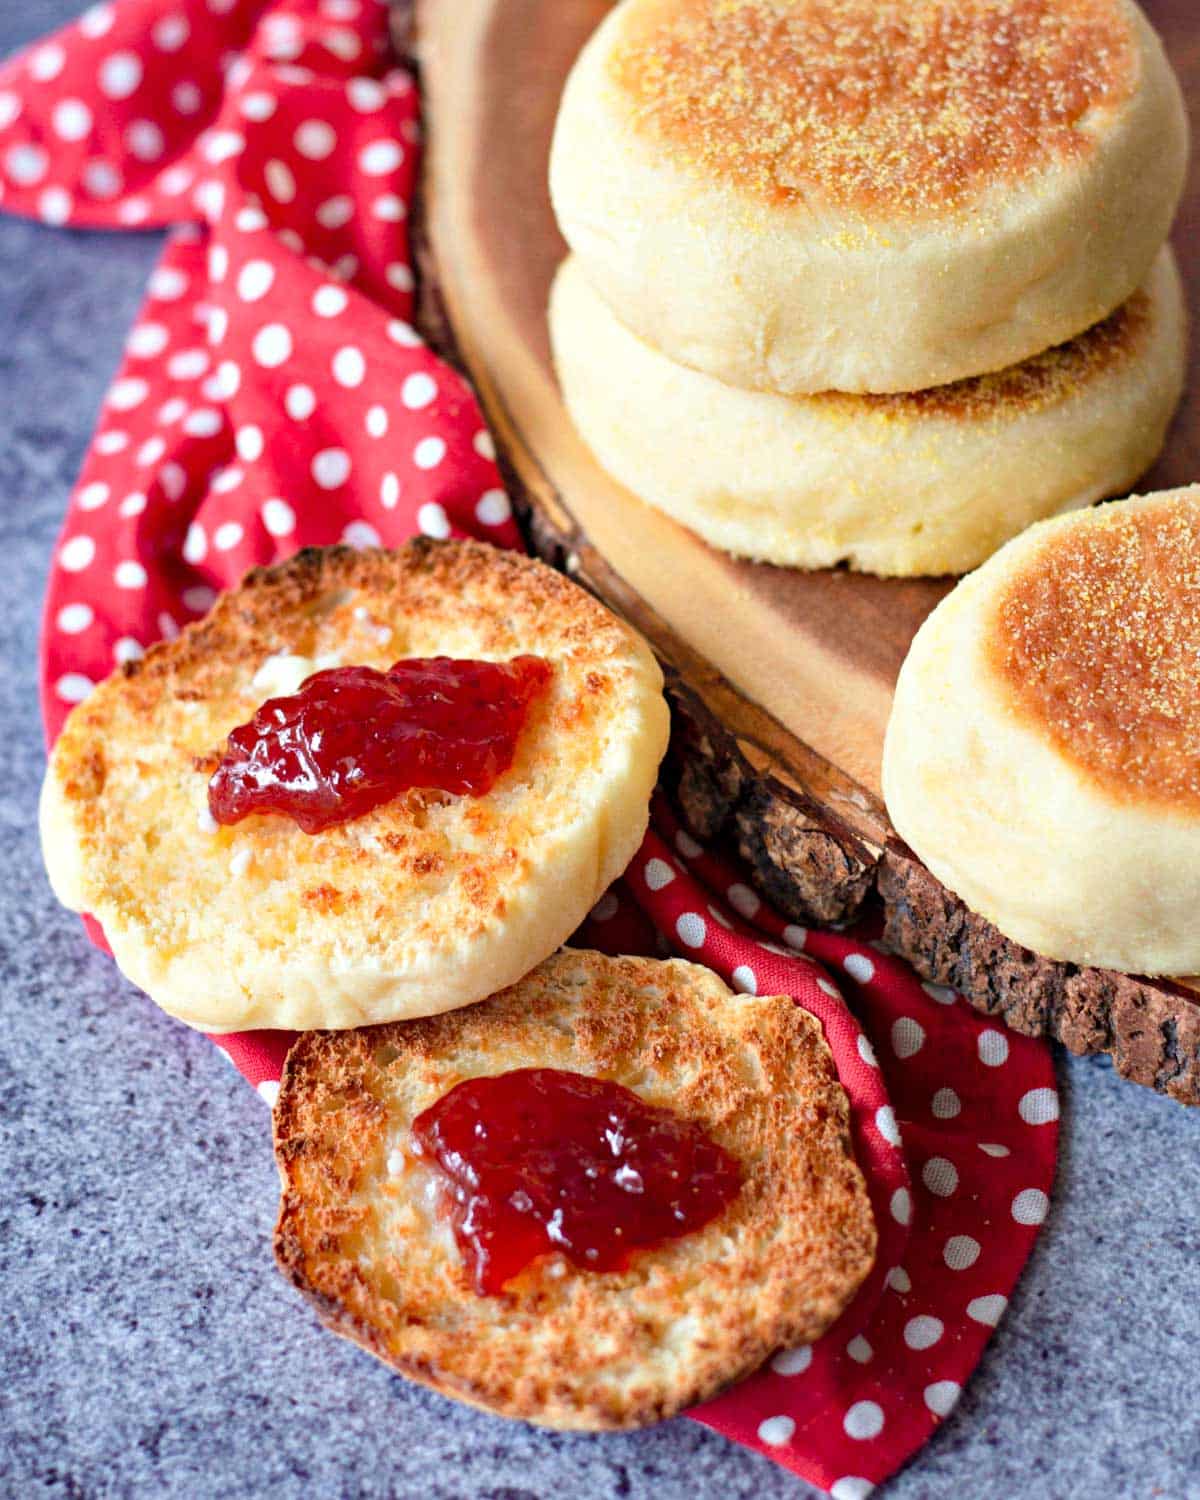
x=776 y=1430
x=1038 y=1106
x=330 y=301
x=300 y=401
x=73 y=618
x=278 y=517
x=92 y=496
x=941 y=1395
x=923 y=1332
x=429 y=452
x=432 y=520
x=76 y=553
x=863 y=1420
x=255 y=280
x=120 y=74
x=988 y=1309
x=493 y=508
x=360 y=534
x=945 y=1104
x=908 y=1037
x=691 y=929
x=993 y=1048
x=792 y=1361
x=961 y=1251
x=73 y=687
x=331 y=468
x=851 y=1487
x=940 y=1176
x=72 y=120
x=885 y=1123
x=349 y=367
x=273 y=345
x=1030 y=1206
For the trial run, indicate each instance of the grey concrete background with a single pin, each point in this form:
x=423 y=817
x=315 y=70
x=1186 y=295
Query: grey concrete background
x=149 y=1347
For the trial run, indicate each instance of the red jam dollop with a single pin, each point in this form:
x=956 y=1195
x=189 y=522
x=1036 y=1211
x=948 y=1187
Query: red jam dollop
x=541 y=1161
x=353 y=738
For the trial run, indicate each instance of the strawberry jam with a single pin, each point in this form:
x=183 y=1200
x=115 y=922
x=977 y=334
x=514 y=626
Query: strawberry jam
x=540 y=1161
x=353 y=738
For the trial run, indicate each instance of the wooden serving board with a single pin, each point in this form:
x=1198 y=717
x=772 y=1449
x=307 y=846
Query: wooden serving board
x=781 y=681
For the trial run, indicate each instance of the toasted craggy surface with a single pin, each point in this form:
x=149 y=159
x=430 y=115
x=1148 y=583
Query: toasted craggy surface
x=359 y=1230
x=425 y=903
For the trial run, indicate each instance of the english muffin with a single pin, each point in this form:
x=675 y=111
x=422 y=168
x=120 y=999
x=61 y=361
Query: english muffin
x=867 y=195
x=1043 y=752
x=931 y=482
x=365 y=1217
x=426 y=902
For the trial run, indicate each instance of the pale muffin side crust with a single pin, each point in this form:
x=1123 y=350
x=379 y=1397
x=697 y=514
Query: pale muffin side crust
x=925 y=482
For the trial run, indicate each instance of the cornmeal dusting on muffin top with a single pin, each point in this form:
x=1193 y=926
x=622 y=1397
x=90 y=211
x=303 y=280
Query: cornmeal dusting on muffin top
x=917 y=104
x=1097 y=642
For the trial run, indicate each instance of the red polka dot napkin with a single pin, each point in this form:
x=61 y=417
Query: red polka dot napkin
x=274 y=395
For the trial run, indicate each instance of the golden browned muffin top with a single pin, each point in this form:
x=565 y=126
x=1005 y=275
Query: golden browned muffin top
x=1097 y=643
x=915 y=105
x=360 y=1233
x=414 y=905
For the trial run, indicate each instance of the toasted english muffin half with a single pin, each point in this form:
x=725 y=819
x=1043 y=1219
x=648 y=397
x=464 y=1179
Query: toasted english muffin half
x=362 y=1234
x=430 y=901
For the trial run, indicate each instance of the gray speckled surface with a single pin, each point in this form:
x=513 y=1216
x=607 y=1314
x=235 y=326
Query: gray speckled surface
x=149 y=1348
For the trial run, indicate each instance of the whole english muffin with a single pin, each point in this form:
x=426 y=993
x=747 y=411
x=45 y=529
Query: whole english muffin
x=867 y=195
x=1043 y=752
x=428 y=901
x=927 y=482
x=362 y=1233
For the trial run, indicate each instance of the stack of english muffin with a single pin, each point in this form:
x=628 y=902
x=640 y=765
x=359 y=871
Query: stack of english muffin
x=875 y=282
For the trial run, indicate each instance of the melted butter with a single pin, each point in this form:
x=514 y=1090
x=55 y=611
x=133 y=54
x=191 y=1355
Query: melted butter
x=283 y=674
